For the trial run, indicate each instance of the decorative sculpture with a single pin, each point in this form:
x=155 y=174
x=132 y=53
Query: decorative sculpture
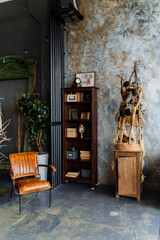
x=3 y=132
x=130 y=115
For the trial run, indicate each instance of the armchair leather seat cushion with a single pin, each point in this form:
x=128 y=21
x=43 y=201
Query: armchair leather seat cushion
x=20 y=181
x=32 y=184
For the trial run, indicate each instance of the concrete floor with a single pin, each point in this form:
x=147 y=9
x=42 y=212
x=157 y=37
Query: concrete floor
x=78 y=213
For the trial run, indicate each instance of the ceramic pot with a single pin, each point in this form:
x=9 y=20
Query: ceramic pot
x=43 y=159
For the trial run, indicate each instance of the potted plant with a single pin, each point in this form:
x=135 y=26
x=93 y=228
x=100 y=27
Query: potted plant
x=36 y=114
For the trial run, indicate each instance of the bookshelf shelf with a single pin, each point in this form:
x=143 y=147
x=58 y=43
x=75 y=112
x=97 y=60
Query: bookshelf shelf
x=78 y=138
x=79 y=160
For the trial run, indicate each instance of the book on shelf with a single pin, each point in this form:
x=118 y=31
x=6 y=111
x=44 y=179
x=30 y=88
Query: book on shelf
x=82 y=96
x=85 y=158
x=85 y=155
x=71 y=132
x=74 y=114
x=72 y=135
x=72 y=174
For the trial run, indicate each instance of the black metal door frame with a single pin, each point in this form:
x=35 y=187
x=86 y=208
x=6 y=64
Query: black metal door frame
x=56 y=84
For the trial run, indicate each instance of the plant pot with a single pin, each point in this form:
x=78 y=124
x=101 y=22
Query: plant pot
x=43 y=159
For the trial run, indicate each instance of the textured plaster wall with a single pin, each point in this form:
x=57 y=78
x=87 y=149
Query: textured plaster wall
x=113 y=34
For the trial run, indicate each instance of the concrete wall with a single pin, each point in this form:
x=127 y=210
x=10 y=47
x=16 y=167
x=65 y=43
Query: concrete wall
x=113 y=34
x=24 y=25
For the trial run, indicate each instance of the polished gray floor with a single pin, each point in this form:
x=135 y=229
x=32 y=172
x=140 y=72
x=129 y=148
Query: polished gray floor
x=77 y=212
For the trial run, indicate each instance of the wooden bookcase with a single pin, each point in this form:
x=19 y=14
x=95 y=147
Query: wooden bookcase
x=84 y=102
x=128 y=173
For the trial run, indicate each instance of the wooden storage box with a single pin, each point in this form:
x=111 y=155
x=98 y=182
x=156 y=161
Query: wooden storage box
x=73 y=155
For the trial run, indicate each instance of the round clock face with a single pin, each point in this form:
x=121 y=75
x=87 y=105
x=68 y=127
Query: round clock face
x=78 y=80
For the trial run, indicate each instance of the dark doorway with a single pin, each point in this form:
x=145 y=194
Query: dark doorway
x=8 y=91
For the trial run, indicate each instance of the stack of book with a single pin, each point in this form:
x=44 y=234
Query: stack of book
x=74 y=114
x=72 y=132
x=72 y=174
x=85 y=155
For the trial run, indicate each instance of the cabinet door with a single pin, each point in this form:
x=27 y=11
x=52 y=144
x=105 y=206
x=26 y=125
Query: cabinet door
x=127 y=179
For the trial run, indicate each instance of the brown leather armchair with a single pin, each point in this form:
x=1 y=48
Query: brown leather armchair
x=25 y=175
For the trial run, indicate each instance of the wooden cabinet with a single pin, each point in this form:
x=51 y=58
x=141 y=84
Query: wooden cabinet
x=128 y=173
x=80 y=148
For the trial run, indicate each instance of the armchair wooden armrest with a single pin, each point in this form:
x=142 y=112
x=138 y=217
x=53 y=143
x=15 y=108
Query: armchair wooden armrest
x=49 y=166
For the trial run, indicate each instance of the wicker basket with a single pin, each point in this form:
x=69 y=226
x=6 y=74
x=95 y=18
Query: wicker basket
x=128 y=147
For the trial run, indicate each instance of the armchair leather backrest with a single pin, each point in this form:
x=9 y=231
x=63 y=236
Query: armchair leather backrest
x=24 y=164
